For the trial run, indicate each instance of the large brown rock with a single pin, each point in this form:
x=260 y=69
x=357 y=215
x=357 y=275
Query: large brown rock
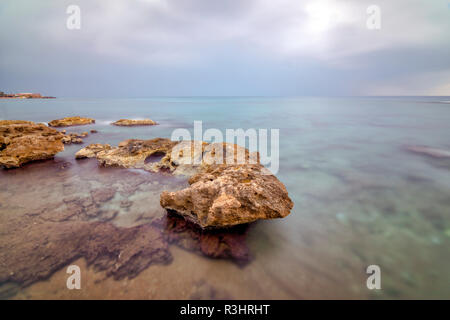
x=131 y=122
x=228 y=195
x=70 y=121
x=25 y=141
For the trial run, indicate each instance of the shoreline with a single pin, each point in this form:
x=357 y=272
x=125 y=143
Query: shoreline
x=26 y=98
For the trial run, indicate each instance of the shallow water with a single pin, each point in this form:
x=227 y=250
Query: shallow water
x=360 y=198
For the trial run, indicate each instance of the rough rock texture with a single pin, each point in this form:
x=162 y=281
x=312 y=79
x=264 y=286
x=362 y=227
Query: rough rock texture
x=429 y=151
x=228 y=195
x=71 y=121
x=134 y=153
x=130 y=122
x=25 y=141
x=91 y=150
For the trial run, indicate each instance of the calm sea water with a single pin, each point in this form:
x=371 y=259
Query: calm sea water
x=360 y=198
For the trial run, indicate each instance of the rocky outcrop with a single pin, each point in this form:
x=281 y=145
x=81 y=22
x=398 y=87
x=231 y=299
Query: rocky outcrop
x=71 y=121
x=91 y=150
x=25 y=141
x=130 y=122
x=188 y=157
x=135 y=153
x=228 y=195
x=223 y=193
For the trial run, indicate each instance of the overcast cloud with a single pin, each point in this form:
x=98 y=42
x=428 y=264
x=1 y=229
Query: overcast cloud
x=141 y=48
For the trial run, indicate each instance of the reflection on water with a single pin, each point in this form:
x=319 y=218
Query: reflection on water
x=360 y=199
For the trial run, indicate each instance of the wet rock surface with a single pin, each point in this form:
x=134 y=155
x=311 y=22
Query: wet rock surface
x=34 y=248
x=228 y=195
x=25 y=141
x=131 y=122
x=71 y=121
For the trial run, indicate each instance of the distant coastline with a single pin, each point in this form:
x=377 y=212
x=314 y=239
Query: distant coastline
x=23 y=96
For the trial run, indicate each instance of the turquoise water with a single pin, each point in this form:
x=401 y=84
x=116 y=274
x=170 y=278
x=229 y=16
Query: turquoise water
x=360 y=197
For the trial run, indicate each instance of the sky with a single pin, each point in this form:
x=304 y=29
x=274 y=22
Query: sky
x=144 y=48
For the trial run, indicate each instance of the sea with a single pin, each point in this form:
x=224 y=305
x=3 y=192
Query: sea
x=361 y=198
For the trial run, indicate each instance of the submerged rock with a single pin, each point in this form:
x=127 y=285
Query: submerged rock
x=429 y=151
x=70 y=121
x=25 y=141
x=49 y=246
x=91 y=150
x=228 y=195
x=224 y=244
x=131 y=122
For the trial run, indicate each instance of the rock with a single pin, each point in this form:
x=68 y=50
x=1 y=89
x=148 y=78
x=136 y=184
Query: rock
x=187 y=157
x=228 y=195
x=429 y=151
x=91 y=150
x=223 y=193
x=126 y=203
x=74 y=138
x=25 y=141
x=224 y=244
x=94 y=131
x=103 y=194
x=130 y=122
x=71 y=121
x=134 y=153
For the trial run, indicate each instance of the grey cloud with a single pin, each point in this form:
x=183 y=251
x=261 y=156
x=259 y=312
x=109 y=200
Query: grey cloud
x=228 y=47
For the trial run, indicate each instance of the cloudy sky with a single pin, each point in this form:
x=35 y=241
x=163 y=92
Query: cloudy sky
x=143 y=48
